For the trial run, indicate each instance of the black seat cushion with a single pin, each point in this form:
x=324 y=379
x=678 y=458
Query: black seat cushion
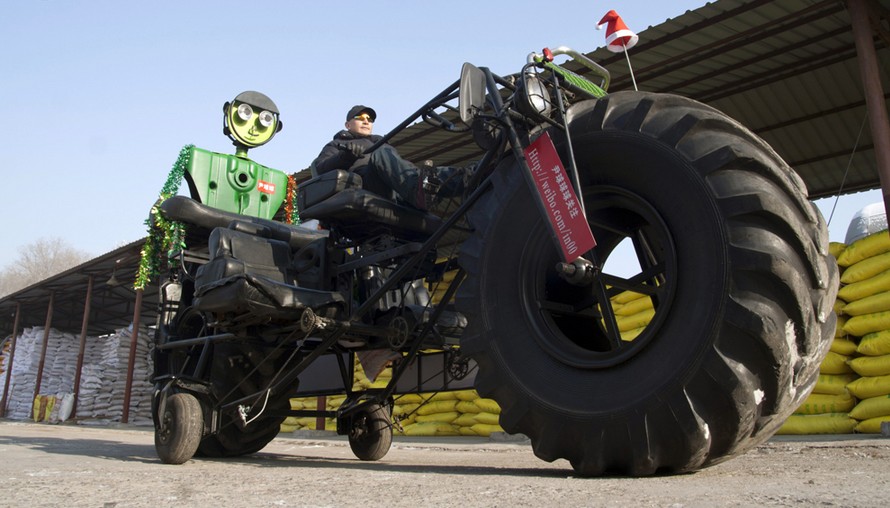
x=360 y=214
x=247 y=274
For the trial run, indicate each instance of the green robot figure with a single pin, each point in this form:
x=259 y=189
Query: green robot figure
x=235 y=183
x=232 y=183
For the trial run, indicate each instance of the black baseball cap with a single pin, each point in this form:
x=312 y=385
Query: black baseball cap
x=357 y=110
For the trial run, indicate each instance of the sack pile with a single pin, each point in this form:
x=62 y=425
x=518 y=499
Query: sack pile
x=866 y=265
x=826 y=410
x=853 y=392
x=104 y=378
x=458 y=413
x=58 y=376
x=102 y=382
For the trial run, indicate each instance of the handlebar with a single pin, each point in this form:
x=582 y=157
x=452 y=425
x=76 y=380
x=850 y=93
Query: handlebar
x=594 y=67
x=442 y=121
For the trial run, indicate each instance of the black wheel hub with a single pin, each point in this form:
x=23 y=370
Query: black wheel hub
x=570 y=304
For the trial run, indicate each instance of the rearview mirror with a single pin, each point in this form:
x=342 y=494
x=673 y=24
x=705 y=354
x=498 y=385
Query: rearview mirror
x=472 y=92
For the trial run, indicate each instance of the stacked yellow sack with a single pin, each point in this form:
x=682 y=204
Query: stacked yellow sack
x=826 y=410
x=43 y=406
x=633 y=311
x=426 y=414
x=865 y=284
x=866 y=277
x=873 y=388
x=458 y=413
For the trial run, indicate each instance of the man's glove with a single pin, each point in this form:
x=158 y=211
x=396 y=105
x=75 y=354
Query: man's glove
x=352 y=149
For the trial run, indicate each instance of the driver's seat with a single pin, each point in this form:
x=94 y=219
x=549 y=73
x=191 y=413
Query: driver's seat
x=336 y=198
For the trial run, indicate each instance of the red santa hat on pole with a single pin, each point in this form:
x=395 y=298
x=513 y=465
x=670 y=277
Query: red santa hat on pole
x=618 y=36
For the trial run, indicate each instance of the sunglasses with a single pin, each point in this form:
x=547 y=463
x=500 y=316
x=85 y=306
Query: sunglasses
x=366 y=117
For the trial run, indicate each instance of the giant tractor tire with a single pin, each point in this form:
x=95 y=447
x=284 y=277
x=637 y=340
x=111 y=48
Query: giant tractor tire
x=731 y=254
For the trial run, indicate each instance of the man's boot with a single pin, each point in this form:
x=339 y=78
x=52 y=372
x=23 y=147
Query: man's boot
x=444 y=181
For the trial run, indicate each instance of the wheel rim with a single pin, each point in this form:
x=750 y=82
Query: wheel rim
x=165 y=431
x=361 y=431
x=574 y=323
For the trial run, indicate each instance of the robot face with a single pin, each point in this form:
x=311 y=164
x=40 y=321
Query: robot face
x=251 y=127
x=251 y=119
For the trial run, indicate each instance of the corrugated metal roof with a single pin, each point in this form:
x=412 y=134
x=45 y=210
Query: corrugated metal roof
x=111 y=306
x=786 y=69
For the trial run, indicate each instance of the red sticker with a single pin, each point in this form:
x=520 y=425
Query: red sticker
x=265 y=187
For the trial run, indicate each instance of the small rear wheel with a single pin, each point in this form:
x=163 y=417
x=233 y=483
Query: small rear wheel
x=370 y=435
x=179 y=429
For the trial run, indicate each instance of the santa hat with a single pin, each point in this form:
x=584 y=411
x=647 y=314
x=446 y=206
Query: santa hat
x=618 y=36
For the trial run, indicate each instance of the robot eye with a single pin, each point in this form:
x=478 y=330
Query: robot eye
x=266 y=118
x=245 y=112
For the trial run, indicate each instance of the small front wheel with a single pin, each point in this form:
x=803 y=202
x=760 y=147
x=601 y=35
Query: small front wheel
x=370 y=435
x=179 y=428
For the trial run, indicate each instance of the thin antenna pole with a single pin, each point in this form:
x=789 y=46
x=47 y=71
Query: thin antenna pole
x=632 y=78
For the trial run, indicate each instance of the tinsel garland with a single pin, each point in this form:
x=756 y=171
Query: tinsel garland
x=163 y=236
x=290 y=202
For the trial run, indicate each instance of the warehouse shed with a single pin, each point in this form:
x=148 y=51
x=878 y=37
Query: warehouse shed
x=806 y=75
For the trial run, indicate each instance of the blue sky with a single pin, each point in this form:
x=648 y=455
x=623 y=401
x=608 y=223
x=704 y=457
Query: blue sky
x=101 y=95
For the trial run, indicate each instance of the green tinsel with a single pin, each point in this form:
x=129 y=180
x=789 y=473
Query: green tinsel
x=290 y=205
x=164 y=237
x=295 y=213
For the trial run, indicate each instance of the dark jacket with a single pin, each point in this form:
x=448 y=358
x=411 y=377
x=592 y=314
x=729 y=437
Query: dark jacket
x=332 y=157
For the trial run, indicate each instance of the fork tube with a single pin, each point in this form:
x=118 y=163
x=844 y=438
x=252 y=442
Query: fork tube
x=561 y=107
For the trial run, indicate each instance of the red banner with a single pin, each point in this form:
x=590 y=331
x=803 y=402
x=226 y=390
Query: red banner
x=569 y=226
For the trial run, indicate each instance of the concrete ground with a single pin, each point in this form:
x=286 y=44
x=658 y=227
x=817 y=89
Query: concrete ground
x=77 y=465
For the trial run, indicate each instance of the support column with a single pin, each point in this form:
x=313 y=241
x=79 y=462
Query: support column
x=321 y=404
x=46 y=328
x=125 y=417
x=83 y=345
x=874 y=93
x=4 y=403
